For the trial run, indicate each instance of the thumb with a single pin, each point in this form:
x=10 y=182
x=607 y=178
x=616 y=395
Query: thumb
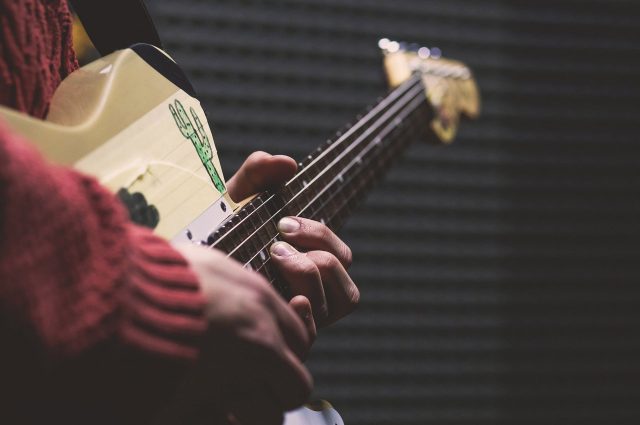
x=259 y=172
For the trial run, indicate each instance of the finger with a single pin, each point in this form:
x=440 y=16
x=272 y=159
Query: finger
x=268 y=365
x=291 y=326
x=302 y=275
x=302 y=306
x=313 y=235
x=259 y=172
x=341 y=293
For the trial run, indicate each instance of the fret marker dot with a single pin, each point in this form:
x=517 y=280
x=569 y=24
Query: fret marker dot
x=340 y=178
x=305 y=183
x=322 y=221
x=263 y=256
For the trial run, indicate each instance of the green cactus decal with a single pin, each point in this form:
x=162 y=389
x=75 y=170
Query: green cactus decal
x=199 y=138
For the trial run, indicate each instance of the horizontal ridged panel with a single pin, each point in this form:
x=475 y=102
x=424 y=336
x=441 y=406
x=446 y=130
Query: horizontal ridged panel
x=499 y=275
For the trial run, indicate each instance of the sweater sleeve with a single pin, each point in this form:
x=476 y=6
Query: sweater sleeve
x=76 y=274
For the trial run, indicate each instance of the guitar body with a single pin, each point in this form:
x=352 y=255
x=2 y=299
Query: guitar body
x=123 y=121
x=131 y=119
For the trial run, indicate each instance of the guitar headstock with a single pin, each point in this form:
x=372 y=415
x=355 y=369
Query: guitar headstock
x=450 y=86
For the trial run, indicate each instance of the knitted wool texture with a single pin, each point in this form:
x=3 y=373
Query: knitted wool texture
x=75 y=274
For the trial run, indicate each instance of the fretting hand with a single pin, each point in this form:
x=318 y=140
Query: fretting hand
x=317 y=275
x=256 y=342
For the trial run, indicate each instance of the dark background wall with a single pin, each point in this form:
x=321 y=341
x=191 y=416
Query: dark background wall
x=500 y=276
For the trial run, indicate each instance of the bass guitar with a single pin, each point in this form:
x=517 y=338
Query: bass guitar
x=133 y=121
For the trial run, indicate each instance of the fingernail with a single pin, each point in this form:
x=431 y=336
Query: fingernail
x=288 y=225
x=282 y=249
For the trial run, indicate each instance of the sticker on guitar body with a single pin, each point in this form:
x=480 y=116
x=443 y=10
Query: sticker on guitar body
x=199 y=138
x=167 y=159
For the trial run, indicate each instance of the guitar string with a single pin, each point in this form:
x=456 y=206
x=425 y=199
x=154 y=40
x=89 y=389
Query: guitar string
x=412 y=95
x=374 y=143
x=367 y=174
x=411 y=109
x=343 y=138
x=337 y=160
x=331 y=199
x=387 y=101
x=346 y=203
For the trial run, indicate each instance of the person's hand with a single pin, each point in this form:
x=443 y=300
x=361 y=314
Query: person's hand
x=317 y=273
x=254 y=344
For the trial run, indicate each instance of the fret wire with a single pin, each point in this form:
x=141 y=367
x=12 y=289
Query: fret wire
x=411 y=130
x=380 y=163
x=264 y=266
x=376 y=110
x=409 y=85
x=410 y=102
x=416 y=94
x=267 y=261
x=348 y=199
x=387 y=130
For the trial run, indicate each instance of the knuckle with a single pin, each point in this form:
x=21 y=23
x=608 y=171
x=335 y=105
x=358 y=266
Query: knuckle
x=328 y=261
x=260 y=337
x=307 y=269
x=257 y=156
x=324 y=232
x=260 y=292
x=347 y=255
x=315 y=229
x=322 y=313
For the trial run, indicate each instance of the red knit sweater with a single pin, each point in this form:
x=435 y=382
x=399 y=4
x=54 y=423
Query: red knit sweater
x=95 y=313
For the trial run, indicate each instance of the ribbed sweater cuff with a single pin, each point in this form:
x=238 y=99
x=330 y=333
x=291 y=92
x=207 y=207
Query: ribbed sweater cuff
x=163 y=306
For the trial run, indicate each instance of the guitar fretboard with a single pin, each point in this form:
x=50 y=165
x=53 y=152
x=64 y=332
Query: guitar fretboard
x=330 y=181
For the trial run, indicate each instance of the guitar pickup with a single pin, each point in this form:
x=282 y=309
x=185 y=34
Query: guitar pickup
x=198 y=230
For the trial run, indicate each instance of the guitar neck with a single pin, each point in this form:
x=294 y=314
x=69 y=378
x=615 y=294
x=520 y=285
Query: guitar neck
x=331 y=180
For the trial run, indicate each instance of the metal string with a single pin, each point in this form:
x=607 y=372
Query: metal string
x=354 y=177
x=378 y=123
x=410 y=84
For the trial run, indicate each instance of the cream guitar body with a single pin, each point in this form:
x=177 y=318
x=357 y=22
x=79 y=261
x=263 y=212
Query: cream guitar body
x=122 y=121
x=131 y=119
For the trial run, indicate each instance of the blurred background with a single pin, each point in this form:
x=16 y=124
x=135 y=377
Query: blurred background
x=500 y=276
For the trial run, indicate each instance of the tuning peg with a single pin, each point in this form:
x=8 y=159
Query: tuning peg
x=388 y=46
x=424 y=52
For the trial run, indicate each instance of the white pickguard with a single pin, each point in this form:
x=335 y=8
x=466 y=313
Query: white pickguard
x=305 y=416
x=206 y=223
